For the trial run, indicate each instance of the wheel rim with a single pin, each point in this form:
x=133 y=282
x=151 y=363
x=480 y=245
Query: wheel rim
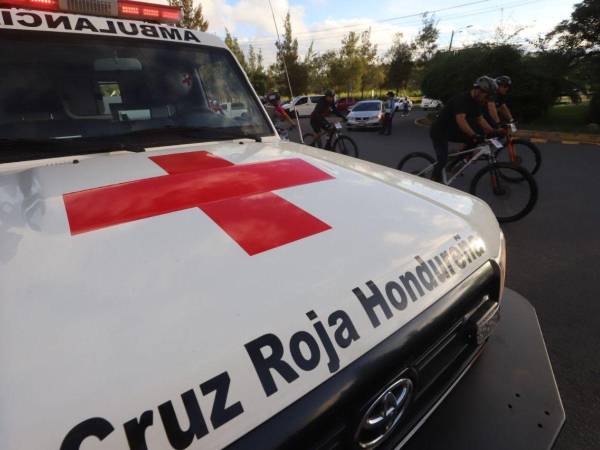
x=418 y=165
x=519 y=155
x=508 y=200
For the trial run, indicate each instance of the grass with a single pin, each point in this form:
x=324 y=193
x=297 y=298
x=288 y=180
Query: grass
x=568 y=118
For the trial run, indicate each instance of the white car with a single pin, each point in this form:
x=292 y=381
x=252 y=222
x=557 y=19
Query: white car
x=366 y=114
x=171 y=277
x=303 y=105
x=234 y=109
x=430 y=103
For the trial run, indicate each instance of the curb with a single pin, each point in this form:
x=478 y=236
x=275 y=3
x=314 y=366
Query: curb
x=564 y=138
x=422 y=122
x=542 y=137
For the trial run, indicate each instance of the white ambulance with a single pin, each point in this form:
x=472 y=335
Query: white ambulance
x=172 y=277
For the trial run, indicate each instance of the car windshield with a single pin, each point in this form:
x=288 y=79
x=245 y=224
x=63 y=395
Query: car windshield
x=105 y=94
x=367 y=106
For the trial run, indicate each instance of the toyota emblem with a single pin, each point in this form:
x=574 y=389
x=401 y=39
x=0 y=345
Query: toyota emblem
x=384 y=414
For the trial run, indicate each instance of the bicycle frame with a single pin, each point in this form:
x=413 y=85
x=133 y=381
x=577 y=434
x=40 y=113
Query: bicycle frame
x=332 y=134
x=477 y=152
x=484 y=150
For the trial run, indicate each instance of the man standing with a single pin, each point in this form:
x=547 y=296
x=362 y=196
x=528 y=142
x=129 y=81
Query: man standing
x=452 y=124
x=389 y=107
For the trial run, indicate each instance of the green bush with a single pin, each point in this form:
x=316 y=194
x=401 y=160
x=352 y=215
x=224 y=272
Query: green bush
x=538 y=79
x=594 y=111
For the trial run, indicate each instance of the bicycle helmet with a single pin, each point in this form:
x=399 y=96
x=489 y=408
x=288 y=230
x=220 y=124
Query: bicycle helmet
x=486 y=84
x=273 y=97
x=329 y=93
x=504 y=80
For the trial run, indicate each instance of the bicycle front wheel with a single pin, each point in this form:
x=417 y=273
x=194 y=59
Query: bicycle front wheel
x=309 y=139
x=417 y=163
x=509 y=200
x=346 y=146
x=522 y=153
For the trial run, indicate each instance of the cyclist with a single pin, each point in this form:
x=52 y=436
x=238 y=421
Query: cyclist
x=452 y=124
x=497 y=108
x=324 y=107
x=278 y=114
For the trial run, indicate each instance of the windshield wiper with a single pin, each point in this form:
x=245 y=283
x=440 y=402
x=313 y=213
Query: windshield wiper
x=220 y=133
x=20 y=149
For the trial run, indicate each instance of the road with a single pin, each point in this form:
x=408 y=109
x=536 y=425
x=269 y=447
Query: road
x=553 y=260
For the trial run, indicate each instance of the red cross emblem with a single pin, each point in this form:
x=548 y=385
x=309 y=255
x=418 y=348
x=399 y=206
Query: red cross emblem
x=187 y=80
x=237 y=198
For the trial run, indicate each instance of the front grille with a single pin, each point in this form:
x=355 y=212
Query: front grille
x=433 y=350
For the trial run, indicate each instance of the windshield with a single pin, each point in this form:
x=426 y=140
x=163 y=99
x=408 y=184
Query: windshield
x=97 y=92
x=368 y=106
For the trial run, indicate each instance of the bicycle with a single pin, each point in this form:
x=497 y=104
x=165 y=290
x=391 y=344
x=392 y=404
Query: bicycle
x=520 y=152
x=341 y=143
x=504 y=186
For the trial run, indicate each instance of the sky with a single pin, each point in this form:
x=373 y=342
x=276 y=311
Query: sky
x=325 y=22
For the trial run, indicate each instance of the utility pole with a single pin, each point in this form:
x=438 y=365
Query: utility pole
x=452 y=35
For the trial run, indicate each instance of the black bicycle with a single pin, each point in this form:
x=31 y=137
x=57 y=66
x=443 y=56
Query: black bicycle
x=336 y=141
x=510 y=190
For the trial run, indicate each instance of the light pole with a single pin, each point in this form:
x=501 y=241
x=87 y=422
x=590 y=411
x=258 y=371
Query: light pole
x=457 y=31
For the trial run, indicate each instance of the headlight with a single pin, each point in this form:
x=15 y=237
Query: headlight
x=502 y=263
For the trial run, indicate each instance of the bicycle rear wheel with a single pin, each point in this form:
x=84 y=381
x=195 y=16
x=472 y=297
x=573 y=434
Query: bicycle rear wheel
x=346 y=146
x=417 y=163
x=522 y=153
x=509 y=190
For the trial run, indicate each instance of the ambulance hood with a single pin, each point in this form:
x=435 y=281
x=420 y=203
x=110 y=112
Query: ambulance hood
x=129 y=281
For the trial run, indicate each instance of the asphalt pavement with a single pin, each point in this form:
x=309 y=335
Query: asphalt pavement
x=553 y=260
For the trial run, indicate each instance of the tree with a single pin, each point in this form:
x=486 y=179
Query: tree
x=314 y=72
x=425 y=44
x=538 y=78
x=400 y=63
x=256 y=71
x=287 y=56
x=349 y=69
x=582 y=31
x=579 y=40
x=192 y=17
x=370 y=76
x=234 y=45
x=375 y=76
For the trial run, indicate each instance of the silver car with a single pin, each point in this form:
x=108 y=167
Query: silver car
x=366 y=114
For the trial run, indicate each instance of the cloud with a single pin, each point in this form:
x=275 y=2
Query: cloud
x=252 y=23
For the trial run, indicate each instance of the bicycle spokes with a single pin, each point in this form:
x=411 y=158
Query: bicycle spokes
x=509 y=190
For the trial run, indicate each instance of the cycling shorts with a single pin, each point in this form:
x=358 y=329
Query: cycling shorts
x=319 y=124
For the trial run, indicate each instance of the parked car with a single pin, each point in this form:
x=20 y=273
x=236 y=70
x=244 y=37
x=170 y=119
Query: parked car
x=302 y=105
x=366 y=114
x=234 y=109
x=345 y=104
x=400 y=103
x=431 y=103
